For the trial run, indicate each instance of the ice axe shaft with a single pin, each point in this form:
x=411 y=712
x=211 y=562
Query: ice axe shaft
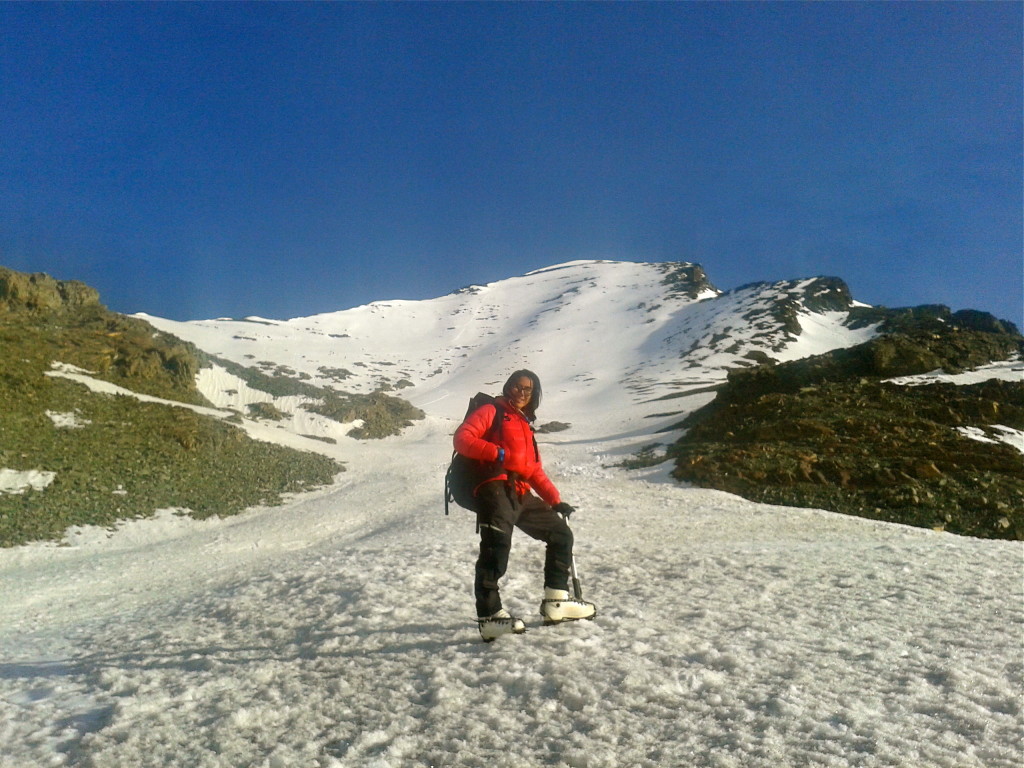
x=577 y=587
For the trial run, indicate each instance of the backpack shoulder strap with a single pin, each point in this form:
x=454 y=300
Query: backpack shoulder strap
x=497 y=426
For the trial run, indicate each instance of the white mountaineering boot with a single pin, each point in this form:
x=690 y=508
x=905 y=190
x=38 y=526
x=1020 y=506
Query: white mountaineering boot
x=498 y=624
x=557 y=607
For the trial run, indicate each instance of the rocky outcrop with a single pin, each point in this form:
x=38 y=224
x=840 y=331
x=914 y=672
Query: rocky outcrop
x=933 y=318
x=830 y=432
x=898 y=354
x=686 y=279
x=116 y=458
x=21 y=292
x=782 y=302
x=51 y=321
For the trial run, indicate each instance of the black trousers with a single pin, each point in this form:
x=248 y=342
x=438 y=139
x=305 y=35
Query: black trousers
x=499 y=512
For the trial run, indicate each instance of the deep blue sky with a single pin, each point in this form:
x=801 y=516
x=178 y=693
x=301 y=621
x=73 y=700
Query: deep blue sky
x=197 y=160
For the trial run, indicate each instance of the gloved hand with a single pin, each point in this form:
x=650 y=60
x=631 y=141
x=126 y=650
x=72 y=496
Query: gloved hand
x=564 y=509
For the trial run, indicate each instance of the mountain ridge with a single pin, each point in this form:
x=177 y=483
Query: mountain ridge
x=655 y=313
x=690 y=340
x=627 y=351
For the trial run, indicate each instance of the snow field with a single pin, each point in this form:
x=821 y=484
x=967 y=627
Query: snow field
x=729 y=634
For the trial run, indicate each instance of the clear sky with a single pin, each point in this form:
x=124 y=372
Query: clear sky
x=197 y=160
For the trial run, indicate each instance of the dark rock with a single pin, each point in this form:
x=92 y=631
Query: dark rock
x=828 y=432
x=685 y=279
x=973 y=320
x=552 y=426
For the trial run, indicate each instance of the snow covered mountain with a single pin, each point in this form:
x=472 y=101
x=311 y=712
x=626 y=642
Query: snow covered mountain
x=610 y=341
x=336 y=631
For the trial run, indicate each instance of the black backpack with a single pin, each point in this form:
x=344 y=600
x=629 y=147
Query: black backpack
x=465 y=474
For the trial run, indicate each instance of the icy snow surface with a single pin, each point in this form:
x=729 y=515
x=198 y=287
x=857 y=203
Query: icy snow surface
x=337 y=630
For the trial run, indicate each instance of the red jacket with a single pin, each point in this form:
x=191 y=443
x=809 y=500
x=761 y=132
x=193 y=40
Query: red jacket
x=516 y=438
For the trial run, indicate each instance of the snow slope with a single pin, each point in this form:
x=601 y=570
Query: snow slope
x=337 y=630
x=608 y=339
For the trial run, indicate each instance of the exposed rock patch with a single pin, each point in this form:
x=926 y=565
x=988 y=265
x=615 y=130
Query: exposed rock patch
x=686 y=279
x=828 y=432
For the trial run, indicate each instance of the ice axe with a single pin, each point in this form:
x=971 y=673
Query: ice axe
x=577 y=588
